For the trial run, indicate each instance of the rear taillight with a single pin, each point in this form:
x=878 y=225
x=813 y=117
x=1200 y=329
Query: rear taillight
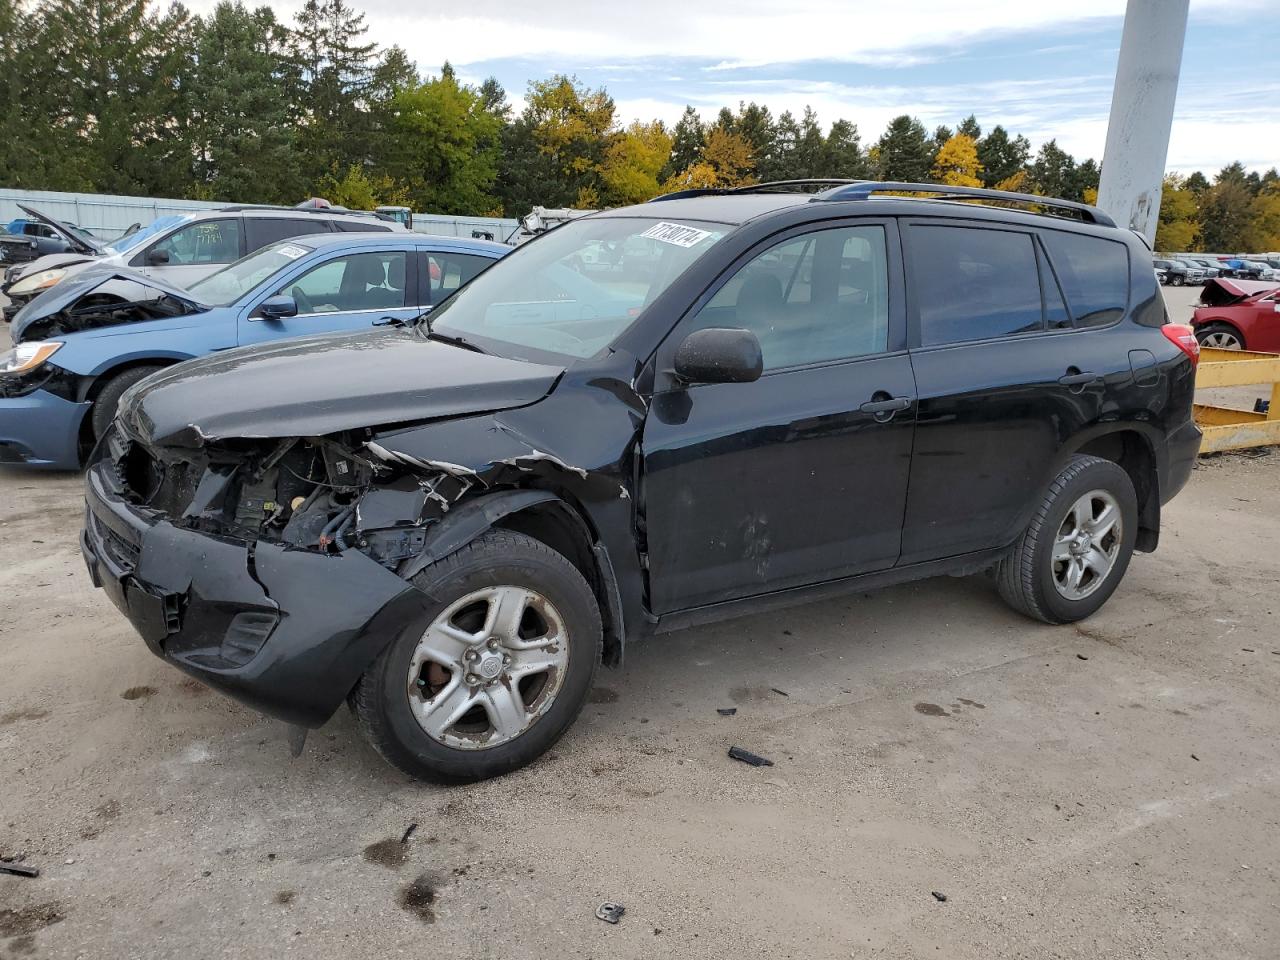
x=1184 y=338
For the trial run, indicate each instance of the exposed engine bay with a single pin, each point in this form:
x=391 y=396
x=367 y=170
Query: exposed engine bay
x=326 y=494
x=117 y=300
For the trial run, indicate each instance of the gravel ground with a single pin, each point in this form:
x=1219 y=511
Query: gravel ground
x=1105 y=790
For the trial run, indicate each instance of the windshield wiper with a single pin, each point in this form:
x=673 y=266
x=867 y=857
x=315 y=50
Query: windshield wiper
x=452 y=340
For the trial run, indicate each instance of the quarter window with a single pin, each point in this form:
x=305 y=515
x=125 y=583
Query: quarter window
x=260 y=231
x=815 y=298
x=206 y=241
x=974 y=284
x=361 y=281
x=1094 y=274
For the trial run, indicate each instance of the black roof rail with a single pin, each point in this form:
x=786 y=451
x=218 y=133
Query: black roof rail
x=765 y=187
x=863 y=190
x=321 y=211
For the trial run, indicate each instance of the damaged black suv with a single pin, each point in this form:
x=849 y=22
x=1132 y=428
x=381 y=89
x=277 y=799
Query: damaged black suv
x=645 y=419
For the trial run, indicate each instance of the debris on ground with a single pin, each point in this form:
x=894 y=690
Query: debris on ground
x=940 y=897
x=1081 y=656
x=746 y=756
x=781 y=693
x=1195 y=758
x=18 y=869
x=408 y=832
x=610 y=912
x=726 y=711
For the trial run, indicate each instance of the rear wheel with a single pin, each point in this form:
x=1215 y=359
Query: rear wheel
x=1220 y=336
x=1077 y=546
x=500 y=672
x=1177 y=280
x=104 y=407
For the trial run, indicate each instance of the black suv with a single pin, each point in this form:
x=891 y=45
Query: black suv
x=644 y=419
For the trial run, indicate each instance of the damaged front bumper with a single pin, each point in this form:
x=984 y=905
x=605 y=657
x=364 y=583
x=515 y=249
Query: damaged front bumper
x=286 y=631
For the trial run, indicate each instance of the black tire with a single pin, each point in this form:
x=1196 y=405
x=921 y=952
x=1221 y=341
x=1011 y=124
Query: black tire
x=1177 y=280
x=497 y=558
x=1211 y=331
x=1025 y=575
x=104 y=407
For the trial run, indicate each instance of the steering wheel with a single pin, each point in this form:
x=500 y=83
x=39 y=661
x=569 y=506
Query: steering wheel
x=302 y=300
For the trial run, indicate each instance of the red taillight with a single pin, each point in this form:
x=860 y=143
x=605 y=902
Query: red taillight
x=1184 y=338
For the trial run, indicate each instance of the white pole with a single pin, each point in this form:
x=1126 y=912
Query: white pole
x=1142 y=113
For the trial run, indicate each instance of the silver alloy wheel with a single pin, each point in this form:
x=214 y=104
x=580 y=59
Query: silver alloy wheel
x=488 y=667
x=1221 y=340
x=1087 y=545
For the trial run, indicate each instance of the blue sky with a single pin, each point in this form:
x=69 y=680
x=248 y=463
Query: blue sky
x=1043 y=69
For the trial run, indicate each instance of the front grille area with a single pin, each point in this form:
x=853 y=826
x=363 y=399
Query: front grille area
x=119 y=551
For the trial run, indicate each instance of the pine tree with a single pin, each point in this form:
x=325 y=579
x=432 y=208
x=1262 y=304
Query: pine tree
x=905 y=151
x=242 y=126
x=970 y=128
x=688 y=139
x=1001 y=156
x=1053 y=172
x=842 y=155
x=809 y=147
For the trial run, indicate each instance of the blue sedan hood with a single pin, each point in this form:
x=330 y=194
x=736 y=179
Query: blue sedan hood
x=100 y=297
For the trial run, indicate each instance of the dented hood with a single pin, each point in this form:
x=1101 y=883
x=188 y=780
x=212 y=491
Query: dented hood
x=1224 y=291
x=313 y=386
x=77 y=303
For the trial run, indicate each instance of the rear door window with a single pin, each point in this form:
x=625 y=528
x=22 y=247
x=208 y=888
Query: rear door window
x=1094 y=273
x=972 y=283
x=446 y=272
x=260 y=231
x=356 y=226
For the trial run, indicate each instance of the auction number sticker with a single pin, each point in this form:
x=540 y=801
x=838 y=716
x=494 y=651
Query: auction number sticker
x=291 y=251
x=677 y=234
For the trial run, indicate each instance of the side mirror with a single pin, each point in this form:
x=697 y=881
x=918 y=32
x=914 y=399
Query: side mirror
x=157 y=258
x=719 y=355
x=278 y=307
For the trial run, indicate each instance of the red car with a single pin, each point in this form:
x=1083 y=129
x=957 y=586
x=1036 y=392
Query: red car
x=1239 y=315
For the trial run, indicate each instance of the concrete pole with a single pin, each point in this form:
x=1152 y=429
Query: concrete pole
x=1142 y=113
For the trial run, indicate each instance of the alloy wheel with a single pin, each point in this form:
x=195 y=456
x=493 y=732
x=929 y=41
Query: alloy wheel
x=488 y=667
x=1087 y=545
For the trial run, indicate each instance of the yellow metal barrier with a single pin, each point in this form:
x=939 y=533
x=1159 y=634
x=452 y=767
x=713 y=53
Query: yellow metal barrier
x=1226 y=428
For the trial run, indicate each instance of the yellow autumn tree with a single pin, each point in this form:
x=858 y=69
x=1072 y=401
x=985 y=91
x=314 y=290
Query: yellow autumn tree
x=633 y=161
x=1014 y=183
x=1179 y=223
x=726 y=161
x=957 y=162
x=1263 y=231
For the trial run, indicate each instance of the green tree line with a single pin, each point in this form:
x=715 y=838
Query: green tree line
x=119 y=96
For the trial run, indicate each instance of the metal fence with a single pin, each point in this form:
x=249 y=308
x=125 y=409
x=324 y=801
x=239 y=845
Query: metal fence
x=105 y=215
x=109 y=216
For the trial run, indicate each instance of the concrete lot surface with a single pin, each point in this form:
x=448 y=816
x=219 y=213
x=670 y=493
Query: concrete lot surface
x=1105 y=790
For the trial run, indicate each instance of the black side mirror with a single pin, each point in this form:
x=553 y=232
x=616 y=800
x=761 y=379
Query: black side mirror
x=278 y=307
x=719 y=355
x=157 y=257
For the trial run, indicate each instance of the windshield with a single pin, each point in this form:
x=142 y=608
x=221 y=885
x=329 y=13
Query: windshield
x=236 y=279
x=158 y=225
x=574 y=290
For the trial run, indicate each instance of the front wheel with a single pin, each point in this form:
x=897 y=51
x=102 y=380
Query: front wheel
x=1220 y=336
x=500 y=671
x=1076 y=548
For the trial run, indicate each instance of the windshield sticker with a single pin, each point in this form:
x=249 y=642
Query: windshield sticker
x=291 y=251
x=677 y=234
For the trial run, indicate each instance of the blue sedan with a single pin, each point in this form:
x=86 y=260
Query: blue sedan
x=79 y=346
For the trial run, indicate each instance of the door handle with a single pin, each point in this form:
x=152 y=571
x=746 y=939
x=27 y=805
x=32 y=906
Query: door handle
x=1078 y=379
x=886 y=408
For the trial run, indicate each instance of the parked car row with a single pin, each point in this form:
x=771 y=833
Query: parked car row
x=1188 y=268
x=179 y=249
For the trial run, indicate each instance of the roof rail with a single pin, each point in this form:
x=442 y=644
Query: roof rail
x=320 y=211
x=753 y=188
x=862 y=190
